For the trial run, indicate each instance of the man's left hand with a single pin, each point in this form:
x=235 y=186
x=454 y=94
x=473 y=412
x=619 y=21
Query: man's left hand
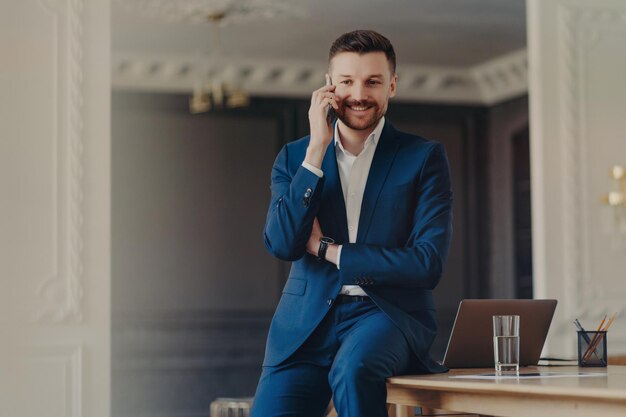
x=313 y=244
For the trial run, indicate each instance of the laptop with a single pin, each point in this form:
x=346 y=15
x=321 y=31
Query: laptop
x=471 y=340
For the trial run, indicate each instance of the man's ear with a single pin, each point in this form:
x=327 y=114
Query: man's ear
x=392 y=86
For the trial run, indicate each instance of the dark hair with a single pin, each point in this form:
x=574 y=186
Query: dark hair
x=361 y=42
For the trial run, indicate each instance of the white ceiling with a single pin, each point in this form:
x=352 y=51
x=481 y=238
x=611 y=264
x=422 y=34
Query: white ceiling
x=461 y=51
x=450 y=33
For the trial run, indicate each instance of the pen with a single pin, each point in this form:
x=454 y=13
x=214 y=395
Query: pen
x=578 y=325
x=581 y=329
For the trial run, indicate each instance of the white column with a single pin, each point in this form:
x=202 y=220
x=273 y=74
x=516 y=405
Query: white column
x=577 y=64
x=54 y=207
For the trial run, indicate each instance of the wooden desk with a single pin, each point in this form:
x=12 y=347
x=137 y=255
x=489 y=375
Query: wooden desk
x=555 y=397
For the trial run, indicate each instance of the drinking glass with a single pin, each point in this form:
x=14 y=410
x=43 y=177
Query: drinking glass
x=506 y=344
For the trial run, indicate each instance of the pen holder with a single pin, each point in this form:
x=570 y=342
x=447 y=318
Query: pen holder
x=592 y=348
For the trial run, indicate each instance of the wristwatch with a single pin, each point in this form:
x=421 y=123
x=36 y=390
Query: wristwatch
x=324 y=242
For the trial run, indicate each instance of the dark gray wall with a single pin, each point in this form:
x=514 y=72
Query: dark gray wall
x=189 y=201
x=505 y=121
x=460 y=129
x=193 y=288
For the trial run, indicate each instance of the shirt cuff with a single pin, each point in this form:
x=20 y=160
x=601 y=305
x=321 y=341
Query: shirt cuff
x=313 y=169
x=339 y=255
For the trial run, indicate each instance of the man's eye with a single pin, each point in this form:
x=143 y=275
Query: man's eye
x=346 y=82
x=373 y=82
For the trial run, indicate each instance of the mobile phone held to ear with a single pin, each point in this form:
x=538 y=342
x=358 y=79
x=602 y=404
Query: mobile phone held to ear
x=330 y=112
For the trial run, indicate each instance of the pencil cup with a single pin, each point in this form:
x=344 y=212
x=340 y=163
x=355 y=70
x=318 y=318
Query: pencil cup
x=592 y=348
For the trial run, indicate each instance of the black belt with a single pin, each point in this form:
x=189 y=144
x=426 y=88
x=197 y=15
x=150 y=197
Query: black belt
x=342 y=298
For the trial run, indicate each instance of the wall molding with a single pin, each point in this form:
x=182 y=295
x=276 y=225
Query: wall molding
x=581 y=30
x=570 y=74
x=59 y=297
x=70 y=358
x=488 y=83
x=563 y=37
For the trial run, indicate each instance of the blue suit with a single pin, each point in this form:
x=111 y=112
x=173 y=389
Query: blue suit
x=402 y=243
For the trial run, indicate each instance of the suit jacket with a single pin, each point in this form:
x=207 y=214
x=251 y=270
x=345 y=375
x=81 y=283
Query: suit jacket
x=402 y=242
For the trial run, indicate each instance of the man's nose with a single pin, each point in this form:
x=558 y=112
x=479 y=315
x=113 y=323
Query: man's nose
x=358 y=92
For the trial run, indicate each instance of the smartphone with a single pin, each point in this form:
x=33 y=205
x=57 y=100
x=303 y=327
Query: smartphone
x=330 y=112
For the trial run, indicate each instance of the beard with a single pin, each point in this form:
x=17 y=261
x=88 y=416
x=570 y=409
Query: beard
x=355 y=121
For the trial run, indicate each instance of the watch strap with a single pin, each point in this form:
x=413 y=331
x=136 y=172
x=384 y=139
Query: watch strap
x=321 y=251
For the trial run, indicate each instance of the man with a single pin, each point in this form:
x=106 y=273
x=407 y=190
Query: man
x=364 y=213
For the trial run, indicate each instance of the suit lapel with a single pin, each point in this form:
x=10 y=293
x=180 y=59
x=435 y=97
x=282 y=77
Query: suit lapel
x=383 y=158
x=335 y=201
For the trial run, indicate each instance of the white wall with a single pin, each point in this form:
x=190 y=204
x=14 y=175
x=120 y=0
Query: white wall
x=54 y=199
x=577 y=63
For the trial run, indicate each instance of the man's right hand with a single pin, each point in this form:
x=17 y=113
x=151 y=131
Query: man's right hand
x=321 y=129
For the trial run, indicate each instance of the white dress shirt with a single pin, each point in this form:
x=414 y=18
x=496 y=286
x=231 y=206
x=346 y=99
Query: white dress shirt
x=353 y=172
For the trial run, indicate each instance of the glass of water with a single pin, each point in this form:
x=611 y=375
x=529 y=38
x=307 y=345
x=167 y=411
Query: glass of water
x=506 y=344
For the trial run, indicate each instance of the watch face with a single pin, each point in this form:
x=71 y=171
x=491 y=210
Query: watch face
x=327 y=240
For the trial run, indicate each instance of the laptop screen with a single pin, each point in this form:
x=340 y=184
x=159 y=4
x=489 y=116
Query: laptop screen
x=471 y=341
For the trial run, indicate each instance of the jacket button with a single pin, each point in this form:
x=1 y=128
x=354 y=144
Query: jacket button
x=306 y=200
x=329 y=301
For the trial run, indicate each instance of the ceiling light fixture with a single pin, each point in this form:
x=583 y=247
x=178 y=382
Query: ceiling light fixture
x=214 y=92
x=214 y=89
x=617 y=198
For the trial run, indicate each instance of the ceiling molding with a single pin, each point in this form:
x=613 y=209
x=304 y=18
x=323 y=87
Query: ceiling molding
x=223 y=12
x=503 y=77
x=488 y=83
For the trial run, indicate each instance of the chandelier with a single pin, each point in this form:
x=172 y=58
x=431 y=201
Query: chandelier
x=213 y=92
x=217 y=95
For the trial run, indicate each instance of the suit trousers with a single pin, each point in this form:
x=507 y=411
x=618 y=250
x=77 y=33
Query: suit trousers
x=349 y=355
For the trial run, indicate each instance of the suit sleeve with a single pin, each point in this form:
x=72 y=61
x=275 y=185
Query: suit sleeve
x=419 y=264
x=294 y=204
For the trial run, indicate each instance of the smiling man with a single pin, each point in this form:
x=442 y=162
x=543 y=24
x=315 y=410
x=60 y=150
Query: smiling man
x=364 y=213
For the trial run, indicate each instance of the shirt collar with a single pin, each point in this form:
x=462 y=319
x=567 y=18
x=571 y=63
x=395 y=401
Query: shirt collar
x=373 y=137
